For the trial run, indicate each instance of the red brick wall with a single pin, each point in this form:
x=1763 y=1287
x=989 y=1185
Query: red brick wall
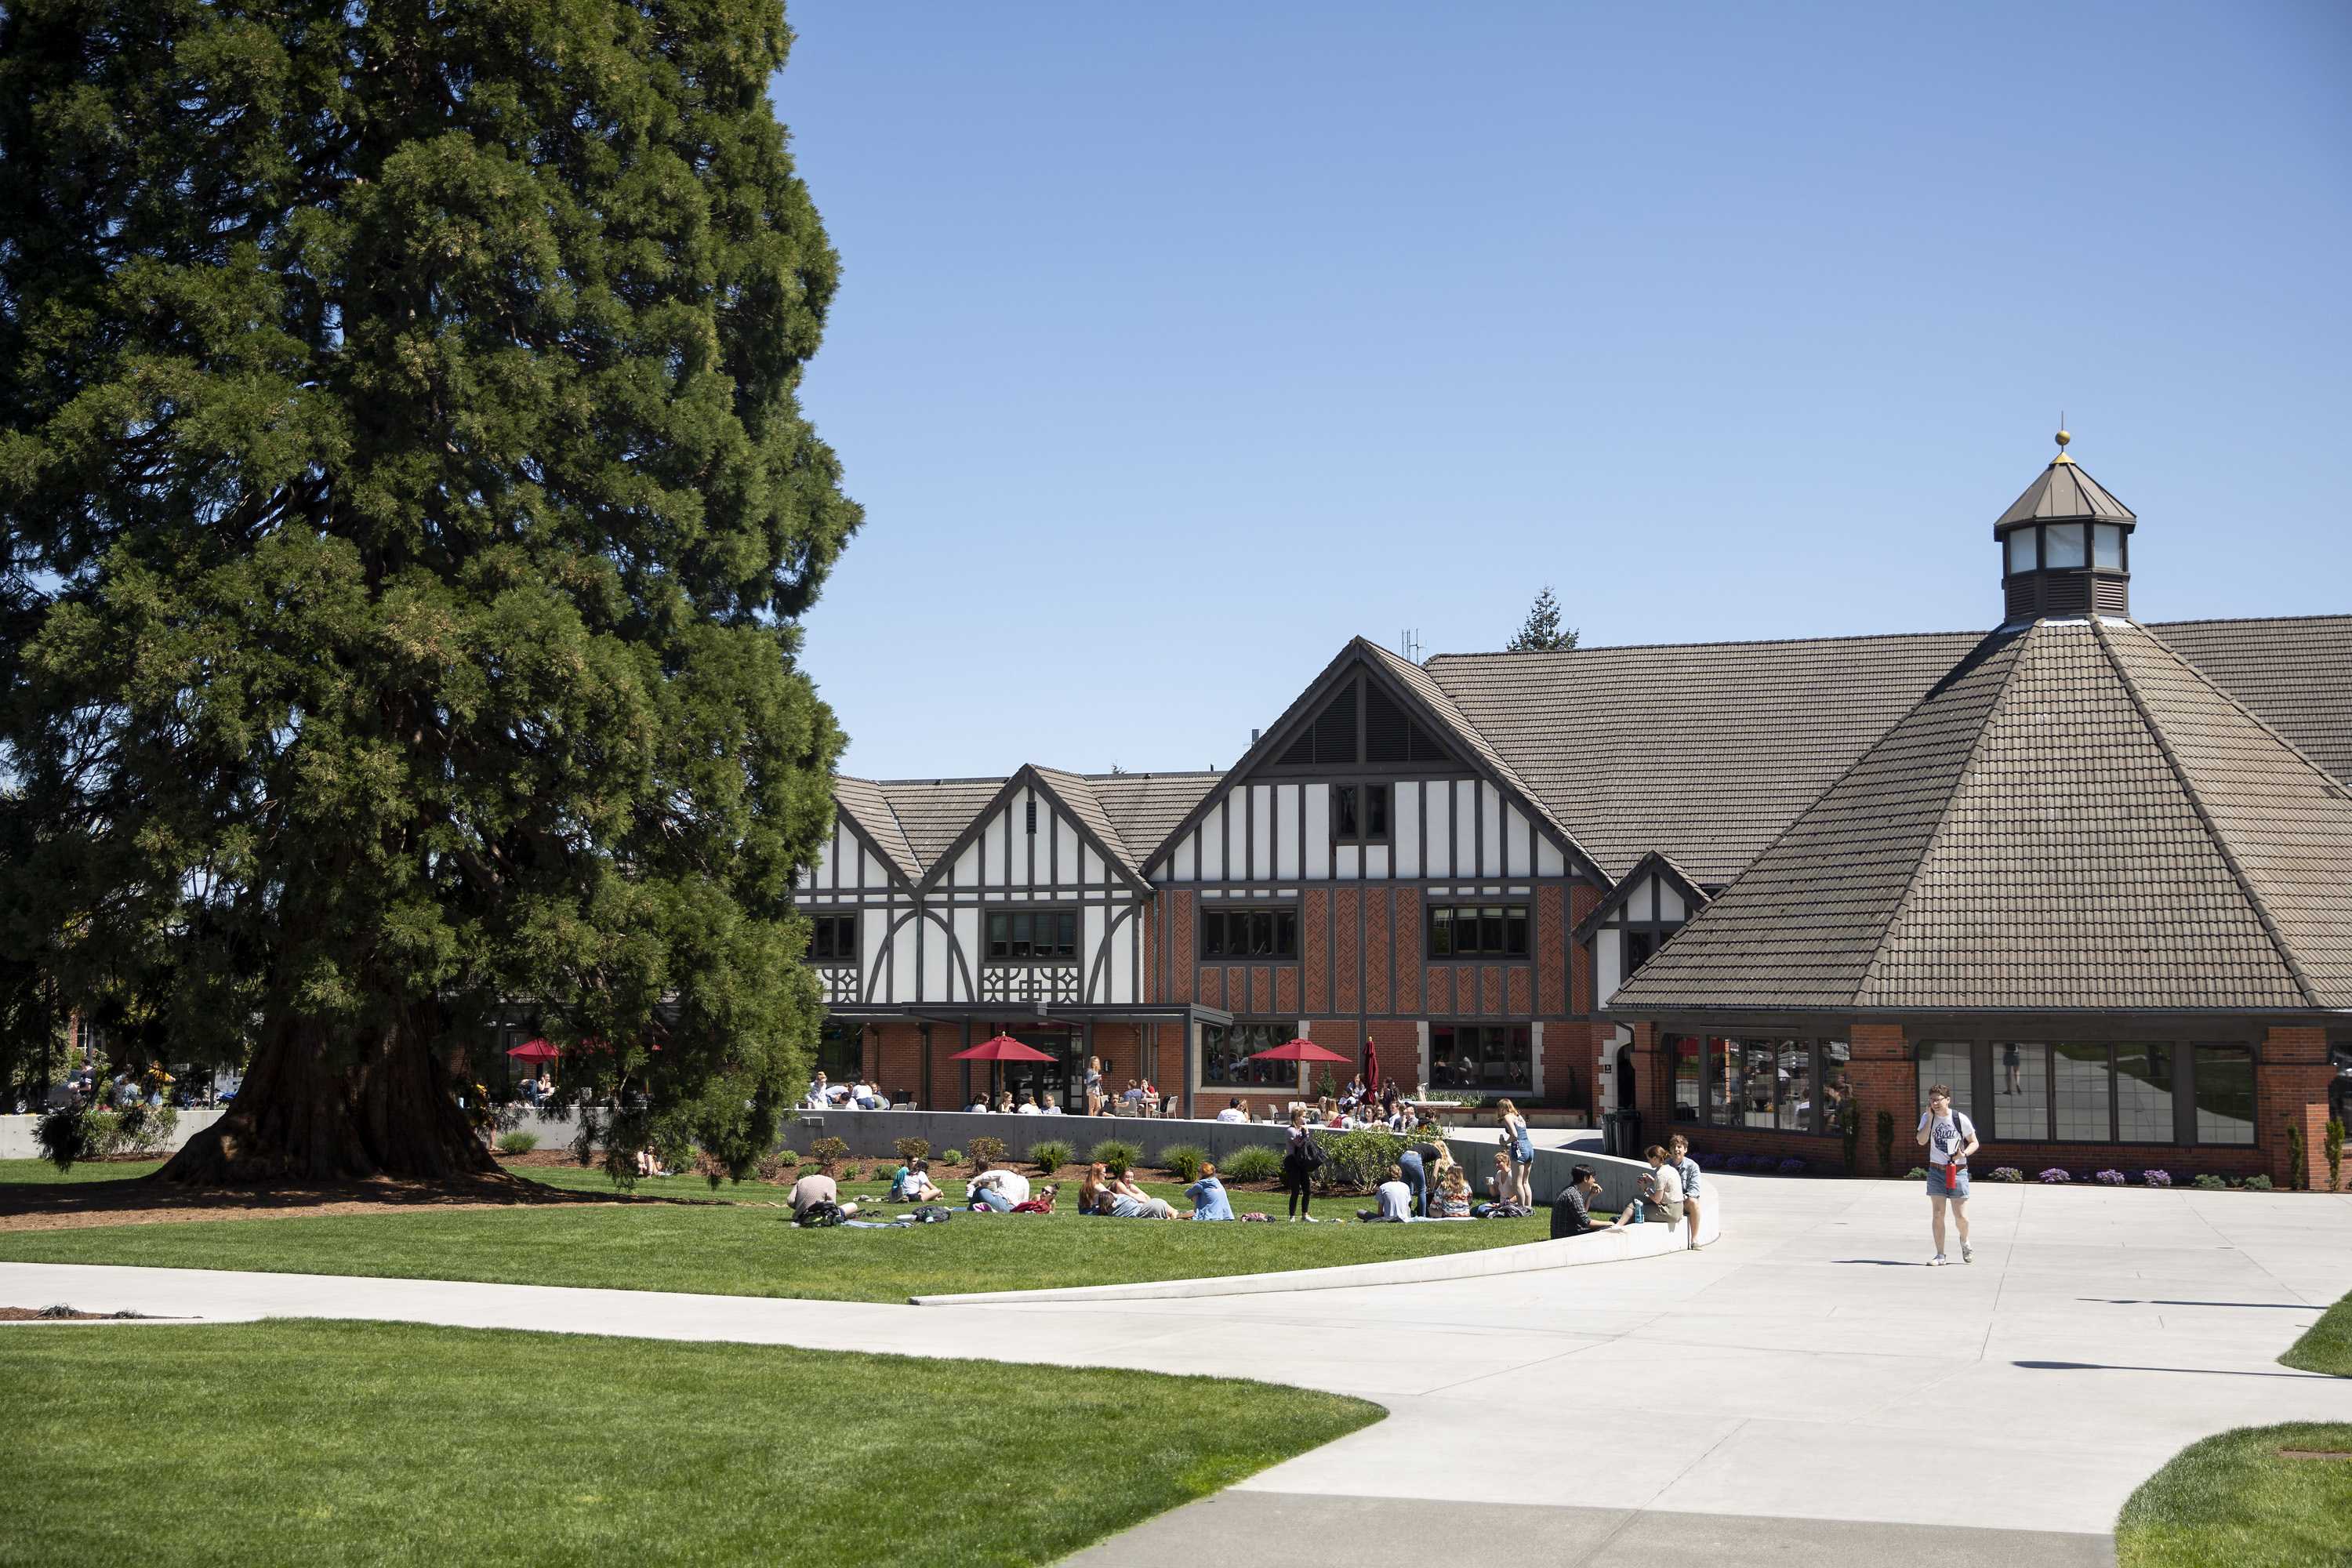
x=1212 y=988
x=1582 y=902
x=1315 y=944
x=1261 y=990
x=1346 y=945
x=1182 y=928
x=1379 y=955
x=1551 y=952
x=1285 y=991
x=2290 y=1086
x=1408 y=951
x=1441 y=990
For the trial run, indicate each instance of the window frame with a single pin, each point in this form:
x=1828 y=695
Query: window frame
x=999 y=912
x=1821 y=1067
x=1282 y=919
x=1275 y=1031
x=1362 y=800
x=1996 y=1125
x=831 y=923
x=1518 y=1050
x=1521 y=915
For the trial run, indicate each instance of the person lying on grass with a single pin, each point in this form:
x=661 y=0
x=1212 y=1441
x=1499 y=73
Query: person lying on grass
x=997 y=1188
x=1208 y=1196
x=1121 y=1199
x=1041 y=1204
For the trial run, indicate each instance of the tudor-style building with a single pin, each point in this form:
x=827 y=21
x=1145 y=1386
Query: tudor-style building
x=1482 y=864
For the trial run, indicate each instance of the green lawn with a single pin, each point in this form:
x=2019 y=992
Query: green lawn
x=738 y=1250
x=2234 y=1500
x=324 y=1442
x=2327 y=1345
x=41 y=1174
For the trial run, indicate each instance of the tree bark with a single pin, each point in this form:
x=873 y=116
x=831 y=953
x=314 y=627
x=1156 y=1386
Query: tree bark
x=393 y=1112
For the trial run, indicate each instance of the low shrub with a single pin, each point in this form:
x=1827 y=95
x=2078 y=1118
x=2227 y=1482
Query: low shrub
x=1792 y=1167
x=1051 y=1156
x=518 y=1142
x=1711 y=1161
x=1357 y=1158
x=828 y=1153
x=984 y=1153
x=853 y=1172
x=1116 y=1156
x=2210 y=1182
x=1255 y=1162
x=2258 y=1183
x=1183 y=1161
x=2008 y=1174
x=2112 y=1178
x=1916 y=1173
x=2055 y=1177
x=912 y=1149
x=1735 y=1162
x=785 y=1159
x=2156 y=1178
x=951 y=1156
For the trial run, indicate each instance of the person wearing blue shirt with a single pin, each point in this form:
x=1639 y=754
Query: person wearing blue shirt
x=1208 y=1196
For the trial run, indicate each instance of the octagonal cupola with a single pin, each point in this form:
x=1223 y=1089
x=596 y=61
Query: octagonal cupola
x=2065 y=547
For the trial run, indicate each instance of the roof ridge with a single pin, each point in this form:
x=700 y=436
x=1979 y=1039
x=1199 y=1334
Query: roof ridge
x=2253 y=897
x=2332 y=782
x=1726 y=642
x=1960 y=777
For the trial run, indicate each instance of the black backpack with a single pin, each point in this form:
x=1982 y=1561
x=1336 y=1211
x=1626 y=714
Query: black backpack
x=932 y=1214
x=822 y=1214
x=1311 y=1153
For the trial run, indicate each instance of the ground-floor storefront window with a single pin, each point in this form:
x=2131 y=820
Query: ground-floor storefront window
x=2096 y=1092
x=1497 y=1059
x=1766 y=1082
x=1225 y=1050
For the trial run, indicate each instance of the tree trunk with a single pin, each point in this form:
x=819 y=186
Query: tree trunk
x=391 y=1112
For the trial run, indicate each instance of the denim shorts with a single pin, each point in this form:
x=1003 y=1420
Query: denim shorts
x=1935 y=1188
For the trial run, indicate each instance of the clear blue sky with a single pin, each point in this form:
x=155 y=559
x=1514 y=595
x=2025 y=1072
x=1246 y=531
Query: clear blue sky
x=1178 y=344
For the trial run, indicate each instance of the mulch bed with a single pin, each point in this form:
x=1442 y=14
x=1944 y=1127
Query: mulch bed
x=65 y=1315
x=138 y=1201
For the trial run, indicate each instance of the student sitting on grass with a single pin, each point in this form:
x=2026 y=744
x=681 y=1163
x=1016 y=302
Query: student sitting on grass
x=912 y=1184
x=1208 y=1196
x=1502 y=1182
x=816 y=1188
x=1128 y=1201
x=1396 y=1200
x=649 y=1163
x=1091 y=1190
x=1453 y=1195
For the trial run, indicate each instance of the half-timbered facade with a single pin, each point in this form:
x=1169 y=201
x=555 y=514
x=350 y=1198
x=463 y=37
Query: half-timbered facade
x=1460 y=864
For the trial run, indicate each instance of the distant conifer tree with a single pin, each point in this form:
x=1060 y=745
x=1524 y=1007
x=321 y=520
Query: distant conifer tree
x=1542 y=632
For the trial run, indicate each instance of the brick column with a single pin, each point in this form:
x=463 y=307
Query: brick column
x=2291 y=1091
x=1887 y=1078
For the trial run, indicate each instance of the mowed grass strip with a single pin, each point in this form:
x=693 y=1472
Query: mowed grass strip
x=735 y=1249
x=2327 y=1345
x=297 y=1441
x=2235 y=1499
x=41 y=1174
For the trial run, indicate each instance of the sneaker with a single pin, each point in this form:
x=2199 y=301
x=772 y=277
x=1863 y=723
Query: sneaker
x=1968 y=1253
x=1937 y=1261
x=1310 y=1219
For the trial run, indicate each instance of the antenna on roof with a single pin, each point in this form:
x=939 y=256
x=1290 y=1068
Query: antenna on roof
x=1411 y=646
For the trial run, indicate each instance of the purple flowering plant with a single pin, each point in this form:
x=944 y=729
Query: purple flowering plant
x=2055 y=1176
x=2156 y=1178
x=2112 y=1178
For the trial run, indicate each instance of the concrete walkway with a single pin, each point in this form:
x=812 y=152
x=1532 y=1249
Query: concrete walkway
x=1804 y=1390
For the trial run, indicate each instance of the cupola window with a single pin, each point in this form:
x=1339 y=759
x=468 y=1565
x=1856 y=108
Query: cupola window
x=2061 y=546
x=2107 y=547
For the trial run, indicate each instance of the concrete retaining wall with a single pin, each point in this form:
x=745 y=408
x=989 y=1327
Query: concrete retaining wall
x=17 y=1141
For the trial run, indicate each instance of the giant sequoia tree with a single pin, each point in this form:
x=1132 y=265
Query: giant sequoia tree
x=408 y=507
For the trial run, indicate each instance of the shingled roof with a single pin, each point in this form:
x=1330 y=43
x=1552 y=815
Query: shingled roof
x=2074 y=817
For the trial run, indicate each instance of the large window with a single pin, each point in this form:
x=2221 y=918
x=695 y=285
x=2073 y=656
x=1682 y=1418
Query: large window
x=2060 y=546
x=1249 y=933
x=1491 y=1058
x=1473 y=930
x=2225 y=1094
x=1036 y=933
x=1225 y=1051
x=833 y=938
x=1947 y=1062
x=841 y=1052
x=1760 y=1081
x=1359 y=813
x=2020 y=1099
x=2143 y=1093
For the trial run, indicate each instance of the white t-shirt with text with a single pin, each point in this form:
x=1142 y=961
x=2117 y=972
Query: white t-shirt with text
x=1950 y=1135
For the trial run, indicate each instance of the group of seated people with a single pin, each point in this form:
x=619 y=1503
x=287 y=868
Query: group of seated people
x=1670 y=1194
x=1037 y=1102
x=859 y=1096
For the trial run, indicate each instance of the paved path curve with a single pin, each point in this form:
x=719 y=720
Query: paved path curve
x=1804 y=1387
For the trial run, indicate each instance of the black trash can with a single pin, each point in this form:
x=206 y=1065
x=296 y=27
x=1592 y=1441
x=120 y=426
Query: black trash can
x=1621 y=1133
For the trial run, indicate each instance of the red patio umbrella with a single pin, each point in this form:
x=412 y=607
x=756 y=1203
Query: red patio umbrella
x=1372 y=1066
x=1298 y=1052
x=535 y=1051
x=1002 y=1048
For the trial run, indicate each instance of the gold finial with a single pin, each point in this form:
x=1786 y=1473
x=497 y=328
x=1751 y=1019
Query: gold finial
x=2062 y=439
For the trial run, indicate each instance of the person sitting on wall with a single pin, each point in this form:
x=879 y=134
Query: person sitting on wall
x=1571 y=1211
x=1052 y=1107
x=1232 y=1110
x=1208 y=1196
x=999 y=1188
x=978 y=1106
x=1029 y=1107
x=912 y=1184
